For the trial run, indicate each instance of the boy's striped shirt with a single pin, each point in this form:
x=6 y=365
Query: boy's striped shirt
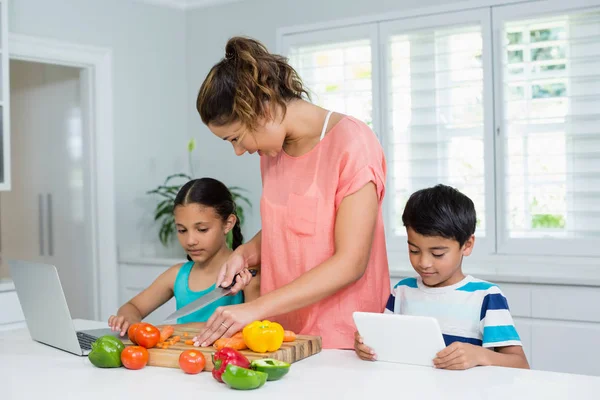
x=472 y=310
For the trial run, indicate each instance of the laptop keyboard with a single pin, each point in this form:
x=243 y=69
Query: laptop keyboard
x=85 y=340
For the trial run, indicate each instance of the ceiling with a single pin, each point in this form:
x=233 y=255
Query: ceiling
x=187 y=4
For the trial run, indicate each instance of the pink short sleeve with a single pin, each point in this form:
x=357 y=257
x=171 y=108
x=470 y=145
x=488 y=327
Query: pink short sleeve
x=362 y=162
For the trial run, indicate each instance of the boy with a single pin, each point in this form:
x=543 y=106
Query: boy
x=473 y=314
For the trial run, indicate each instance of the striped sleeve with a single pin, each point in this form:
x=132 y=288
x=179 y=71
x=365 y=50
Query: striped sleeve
x=390 y=306
x=498 y=328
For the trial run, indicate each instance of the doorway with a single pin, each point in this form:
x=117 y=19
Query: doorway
x=46 y=215
x=93 y=178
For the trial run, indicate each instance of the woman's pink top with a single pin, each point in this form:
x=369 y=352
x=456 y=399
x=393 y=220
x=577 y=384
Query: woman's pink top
x=298 y=207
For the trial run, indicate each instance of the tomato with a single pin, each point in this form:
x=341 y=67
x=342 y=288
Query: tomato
x=134 y=357
x=131 y=331
x=192 y=361
x=147 y=336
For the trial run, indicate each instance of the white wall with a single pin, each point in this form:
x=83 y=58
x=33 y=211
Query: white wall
x=207 y=33
x=150 y=108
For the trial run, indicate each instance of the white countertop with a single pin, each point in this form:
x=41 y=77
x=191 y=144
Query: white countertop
x=31 y=370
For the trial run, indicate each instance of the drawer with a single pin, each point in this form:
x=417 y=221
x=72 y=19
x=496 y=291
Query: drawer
x=566 y=303
x=10 y=308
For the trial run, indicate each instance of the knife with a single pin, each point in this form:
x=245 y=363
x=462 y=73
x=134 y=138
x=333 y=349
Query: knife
x=204 y=301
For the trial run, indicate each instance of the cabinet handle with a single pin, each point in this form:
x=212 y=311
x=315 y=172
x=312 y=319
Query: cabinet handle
x=50 y=230
x=41 y=223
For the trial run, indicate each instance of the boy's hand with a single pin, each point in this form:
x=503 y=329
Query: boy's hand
x=460 y=356
x=362 y=351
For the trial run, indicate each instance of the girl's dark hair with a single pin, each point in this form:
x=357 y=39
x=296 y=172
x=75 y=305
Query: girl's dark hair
x=441 y=211
x=238 y=87
x=211 y=193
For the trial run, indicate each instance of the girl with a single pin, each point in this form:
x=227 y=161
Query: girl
x=204 y=214
x=321 y=249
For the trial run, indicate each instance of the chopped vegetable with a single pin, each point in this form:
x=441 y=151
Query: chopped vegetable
x=236 y=343
x=222 y=358
x=242 y=378
x=289 y=336
x=189 y=342
x=166 y=333
x=274 y=368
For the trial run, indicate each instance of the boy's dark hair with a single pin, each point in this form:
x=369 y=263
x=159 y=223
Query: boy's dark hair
x=441 y=211
x=211 y=193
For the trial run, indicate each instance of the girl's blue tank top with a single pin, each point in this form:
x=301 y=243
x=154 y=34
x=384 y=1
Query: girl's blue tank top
x=184 y=296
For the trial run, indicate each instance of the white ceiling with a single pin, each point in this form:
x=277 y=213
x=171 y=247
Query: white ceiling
x=187 y=4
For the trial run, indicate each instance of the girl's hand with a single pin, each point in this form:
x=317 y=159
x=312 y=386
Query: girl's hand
x=460 y=356
x=225 y=322
x=120 y=323
x=363 y=351
x=235 y=264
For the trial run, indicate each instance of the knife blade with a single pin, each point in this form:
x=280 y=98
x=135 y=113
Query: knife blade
x=204 y=301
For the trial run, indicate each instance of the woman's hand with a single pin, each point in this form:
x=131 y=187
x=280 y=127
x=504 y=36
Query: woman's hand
x=225 y=322
x=235 y=264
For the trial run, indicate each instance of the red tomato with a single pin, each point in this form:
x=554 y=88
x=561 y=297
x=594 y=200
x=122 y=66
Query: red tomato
x=192 y=361
x=147 y=336
x=132 y=329
x=134 y=357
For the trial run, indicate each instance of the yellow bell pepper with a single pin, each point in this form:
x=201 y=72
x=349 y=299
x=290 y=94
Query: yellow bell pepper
x=263 y=336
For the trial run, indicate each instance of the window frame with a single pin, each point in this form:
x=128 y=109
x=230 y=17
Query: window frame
x=528 y=246
x=517 y=261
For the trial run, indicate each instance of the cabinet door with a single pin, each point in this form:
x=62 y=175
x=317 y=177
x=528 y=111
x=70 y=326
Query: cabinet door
x=565 y=346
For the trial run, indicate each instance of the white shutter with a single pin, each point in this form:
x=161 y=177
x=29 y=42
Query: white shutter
x=337 y=67
x=549 y=120
x=437 y=111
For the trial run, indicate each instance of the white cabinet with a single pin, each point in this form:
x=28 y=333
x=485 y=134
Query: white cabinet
x=135 y=277
x=11 y=315
x=5 y=175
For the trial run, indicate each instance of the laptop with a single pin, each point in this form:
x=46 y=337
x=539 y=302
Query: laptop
x=46 y=311
x=404 y=339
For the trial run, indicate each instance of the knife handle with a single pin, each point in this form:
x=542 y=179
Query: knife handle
x=252 y=271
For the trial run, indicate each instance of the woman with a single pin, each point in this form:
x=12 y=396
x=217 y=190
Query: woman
x=322 y=248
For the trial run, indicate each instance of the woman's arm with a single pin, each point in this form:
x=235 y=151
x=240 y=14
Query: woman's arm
x=252 y=290
x=138 y=308
x=354 y=226
x=246 y=255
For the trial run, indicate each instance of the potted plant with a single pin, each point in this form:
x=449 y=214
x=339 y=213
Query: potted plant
x=163 y=213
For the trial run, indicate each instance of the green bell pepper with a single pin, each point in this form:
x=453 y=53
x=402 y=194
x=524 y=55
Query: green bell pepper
x=243 y=378
x=106 y=352
x=274 y=368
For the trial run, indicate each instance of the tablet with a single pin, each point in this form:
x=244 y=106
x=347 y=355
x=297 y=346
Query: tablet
x=403 y=339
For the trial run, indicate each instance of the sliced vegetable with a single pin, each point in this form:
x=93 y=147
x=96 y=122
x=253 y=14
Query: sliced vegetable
x=274 y=368
x=236 y=343
x=147 y=336
x=134 y=357
x=106 y=352
x=189 y=342
x=289 y=336
x=222 y=358
x=166 y=333
x=242 y=378
x=192 y=361
x=263 y=336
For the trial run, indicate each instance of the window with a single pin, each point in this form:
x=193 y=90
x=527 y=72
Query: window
x=550 y=131
x=435 y=114
x=338 y=76
x=502 y=103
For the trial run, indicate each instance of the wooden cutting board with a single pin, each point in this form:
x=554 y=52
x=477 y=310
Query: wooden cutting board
x=290 y=352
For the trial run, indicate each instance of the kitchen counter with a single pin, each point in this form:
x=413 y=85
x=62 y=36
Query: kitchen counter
x=32 y=370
